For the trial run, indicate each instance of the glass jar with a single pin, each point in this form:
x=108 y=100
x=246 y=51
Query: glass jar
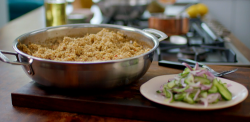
x=55 y=12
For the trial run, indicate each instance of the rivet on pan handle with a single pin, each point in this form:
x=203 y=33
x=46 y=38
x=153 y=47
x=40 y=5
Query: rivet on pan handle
x=3 y=58
x=161 y=35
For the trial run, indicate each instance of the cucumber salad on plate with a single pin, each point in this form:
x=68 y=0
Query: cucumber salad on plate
x=195 y=85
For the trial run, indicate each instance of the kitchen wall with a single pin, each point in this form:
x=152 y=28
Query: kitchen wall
x=234 y=15
x=3 y=13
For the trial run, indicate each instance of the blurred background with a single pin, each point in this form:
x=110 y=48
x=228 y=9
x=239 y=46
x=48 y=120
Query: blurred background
x=232 y=14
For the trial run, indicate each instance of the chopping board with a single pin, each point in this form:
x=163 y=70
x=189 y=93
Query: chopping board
x=123 y=102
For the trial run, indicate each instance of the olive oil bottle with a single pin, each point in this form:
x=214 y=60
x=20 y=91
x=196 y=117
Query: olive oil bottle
x=55 y=12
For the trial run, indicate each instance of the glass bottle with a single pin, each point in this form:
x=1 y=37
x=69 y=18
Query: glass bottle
x=55 y=12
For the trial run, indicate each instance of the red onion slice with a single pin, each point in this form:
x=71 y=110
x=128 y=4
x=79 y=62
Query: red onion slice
x=200 y=73
x=213 y=97
x=204 y=101
x=228 y=85
x=171 y=97
x=196 y=67
x=197 y=93
x=210 y=76
x=194 y=72
x=171 y=79
x=187 y=94
x=189 y=67
x=206 y=87
x=210 y=98
x=161 y=87
x=189 y=90
x=183 y=83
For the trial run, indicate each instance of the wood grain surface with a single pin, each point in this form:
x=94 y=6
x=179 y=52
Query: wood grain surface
x=13 y=78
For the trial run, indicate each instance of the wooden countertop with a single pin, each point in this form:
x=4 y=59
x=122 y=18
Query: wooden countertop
x=13 y=77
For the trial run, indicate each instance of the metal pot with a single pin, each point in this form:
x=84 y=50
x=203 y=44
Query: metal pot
x=170 y=25
x=84 y=75
x=122 y=10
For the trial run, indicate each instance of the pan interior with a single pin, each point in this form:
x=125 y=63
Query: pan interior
x=57 y=33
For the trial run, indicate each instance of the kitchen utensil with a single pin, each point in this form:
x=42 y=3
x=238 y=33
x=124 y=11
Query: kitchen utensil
x=217 y=74
x=171 y=64
x=178 y=65
x=84 y=75
x=169 y=25
x=122 y=10
x=226 y=72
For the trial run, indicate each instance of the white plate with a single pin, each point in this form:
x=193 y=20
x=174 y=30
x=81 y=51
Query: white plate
x=149 y=89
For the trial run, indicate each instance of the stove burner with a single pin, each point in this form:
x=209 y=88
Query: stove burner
x=194 y=53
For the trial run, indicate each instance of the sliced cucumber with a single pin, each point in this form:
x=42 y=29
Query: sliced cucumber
x=225 y=93
x=202 y=80
x=192 y=95
x=189 y=79
x=216 y=101
x=158 y=91
x=171 y=84
x=203 y=94
x=225 y=85
x=166 y=92
x=179 y=97
x=188 y=99
x=213 y=89
x=178 y=90
x=197 y=87
x=204 y=75
x=185 y=72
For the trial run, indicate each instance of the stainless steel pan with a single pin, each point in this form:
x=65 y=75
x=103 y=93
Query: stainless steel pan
x=84 y=75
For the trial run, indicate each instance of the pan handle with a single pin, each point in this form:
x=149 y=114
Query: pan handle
x=161 y=35
x=6 y=60
x=3 y=58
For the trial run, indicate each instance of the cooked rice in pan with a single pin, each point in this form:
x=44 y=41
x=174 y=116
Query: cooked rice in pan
x=103 y=46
